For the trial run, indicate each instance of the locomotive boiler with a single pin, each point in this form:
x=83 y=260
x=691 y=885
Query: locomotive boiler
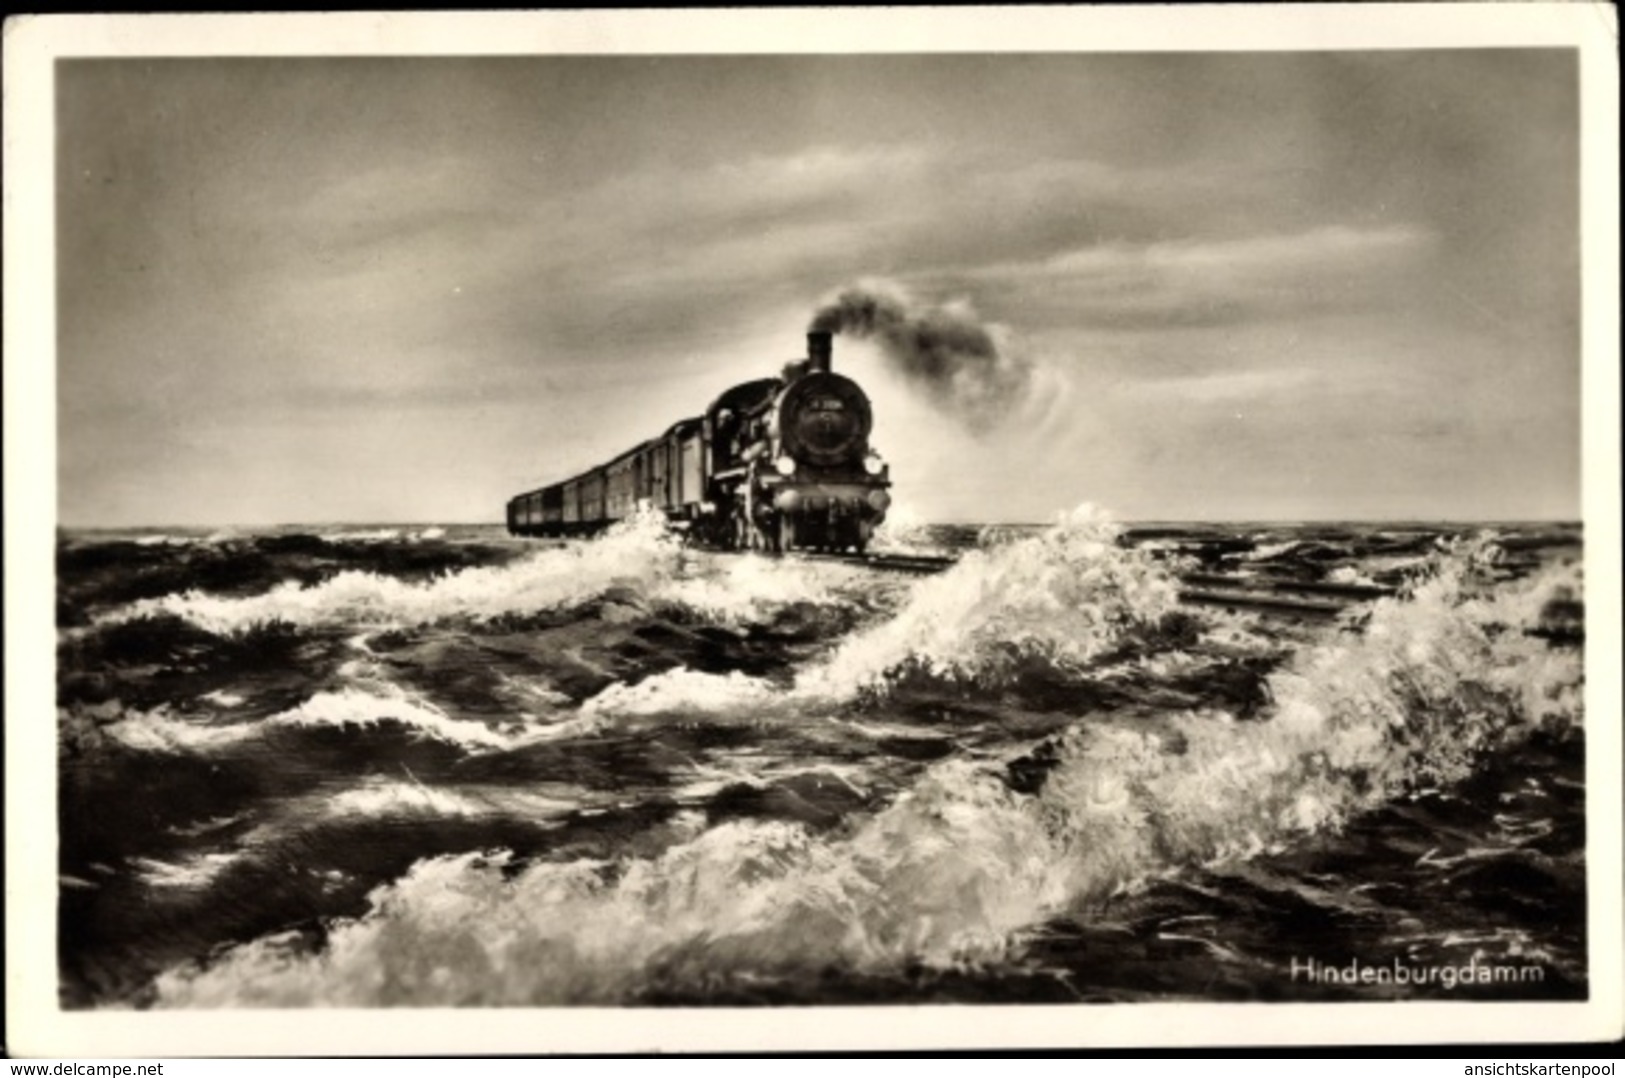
x=774 y=464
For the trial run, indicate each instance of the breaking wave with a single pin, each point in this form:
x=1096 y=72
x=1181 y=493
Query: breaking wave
x=639 y=558
x=160 y=731
x=638 y=553
x=685 y=690
x=374 y=799
x=386 y=798
x=191 y=874
x=743 y=590
x=375 y=706
x=957 y=870
x=372 y=535
x=903 y=530
x=1060 y=597
x=383 y=703
x=383 y=535
x=166 y=540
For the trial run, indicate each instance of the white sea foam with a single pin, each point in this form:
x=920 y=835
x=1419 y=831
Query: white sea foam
x=1270 y=551
x=531 y=693
x=376 y=702
x=1061 y=596
x=638 y=556
x=385 y=798
x=191 y=874
x=375 y=705
x=1393 y=563
x=903 y=531
x=203 y=827
x=1348 y=574
x=372 y=707
x=748 y=589
x=959 y=867
x=374 y=535
x=374 y=799
x=638 y=553
x=685 y=690
x=166 y=540
x=160 y=731
x=383 y=535
x=709 y=777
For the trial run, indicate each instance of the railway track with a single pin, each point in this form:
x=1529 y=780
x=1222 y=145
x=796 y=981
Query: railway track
x=1278 y=596
x=918 y=564
x=1306 y=599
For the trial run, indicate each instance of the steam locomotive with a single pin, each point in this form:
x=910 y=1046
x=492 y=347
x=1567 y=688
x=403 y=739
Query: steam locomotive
x=775 y=464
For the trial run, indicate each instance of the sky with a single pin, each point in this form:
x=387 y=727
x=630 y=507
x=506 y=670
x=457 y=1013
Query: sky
x=1236 y=286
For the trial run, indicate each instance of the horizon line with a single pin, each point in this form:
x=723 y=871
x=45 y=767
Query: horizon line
x=1126 y=522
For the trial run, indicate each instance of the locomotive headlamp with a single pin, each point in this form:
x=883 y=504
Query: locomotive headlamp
x=785 y=467
x=872 y=464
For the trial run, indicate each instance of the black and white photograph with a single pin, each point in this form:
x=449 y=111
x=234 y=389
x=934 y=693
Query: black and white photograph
x=764 y=521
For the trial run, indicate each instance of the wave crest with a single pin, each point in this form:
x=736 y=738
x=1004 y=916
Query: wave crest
x=1062 y=597
x=638 y=553
x=379 y=704
x=639 y=557
x=960 y=867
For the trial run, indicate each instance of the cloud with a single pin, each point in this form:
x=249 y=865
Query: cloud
x=1226 y=387
x=819 y=216
x=1331 y=248
x=548 y=269
x=587 y=242
x=1195 y=283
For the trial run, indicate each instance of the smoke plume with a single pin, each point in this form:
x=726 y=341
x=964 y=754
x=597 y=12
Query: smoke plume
x=946 y=352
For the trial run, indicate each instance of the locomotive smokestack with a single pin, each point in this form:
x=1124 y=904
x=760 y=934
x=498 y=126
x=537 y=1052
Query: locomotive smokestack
x=818 y=350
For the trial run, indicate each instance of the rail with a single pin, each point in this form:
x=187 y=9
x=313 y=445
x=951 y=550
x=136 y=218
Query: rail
x=1279 y=596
